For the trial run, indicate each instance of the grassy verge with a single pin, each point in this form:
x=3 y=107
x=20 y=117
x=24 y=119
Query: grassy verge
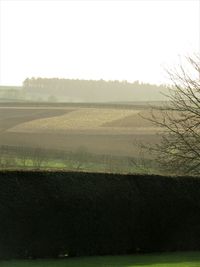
x=16 y=157
x=122 y=166
x=183 y=259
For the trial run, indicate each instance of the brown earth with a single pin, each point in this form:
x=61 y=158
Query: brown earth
x=100 y=144
x=10 y=117
x=135 y=120
x=121 y=138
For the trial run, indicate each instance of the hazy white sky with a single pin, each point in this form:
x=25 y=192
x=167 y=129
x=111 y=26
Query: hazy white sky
x=123 y=40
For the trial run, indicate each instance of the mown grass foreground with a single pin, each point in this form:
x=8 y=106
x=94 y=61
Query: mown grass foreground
x=183 y=259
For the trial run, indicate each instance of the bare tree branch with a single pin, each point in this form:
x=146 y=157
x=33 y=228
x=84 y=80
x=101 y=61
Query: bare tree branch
x=179 y=149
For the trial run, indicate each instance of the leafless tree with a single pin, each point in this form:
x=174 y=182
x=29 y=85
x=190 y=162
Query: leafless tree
x=179 y=148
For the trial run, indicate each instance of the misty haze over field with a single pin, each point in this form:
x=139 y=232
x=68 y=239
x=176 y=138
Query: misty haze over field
x=82 y=91
x=77 y=78
x=99 y=133
x=94 y=40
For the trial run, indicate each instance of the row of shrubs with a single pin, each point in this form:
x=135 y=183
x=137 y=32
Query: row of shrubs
x=80 y=159
x=55 y=214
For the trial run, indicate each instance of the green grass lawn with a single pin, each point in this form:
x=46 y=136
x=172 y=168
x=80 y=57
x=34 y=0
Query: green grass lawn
x=181 y=259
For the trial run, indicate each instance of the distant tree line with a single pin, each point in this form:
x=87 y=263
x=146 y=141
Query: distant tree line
x=93 y=90
x=77 y=90
x=61 y=83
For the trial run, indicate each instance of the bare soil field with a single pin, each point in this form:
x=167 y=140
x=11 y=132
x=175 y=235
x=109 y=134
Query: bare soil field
x=126 y=145
x=132 y=121
x=101 y=130
x=10 y=117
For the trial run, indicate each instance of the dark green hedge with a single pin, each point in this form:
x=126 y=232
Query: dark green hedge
x=47 y=214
